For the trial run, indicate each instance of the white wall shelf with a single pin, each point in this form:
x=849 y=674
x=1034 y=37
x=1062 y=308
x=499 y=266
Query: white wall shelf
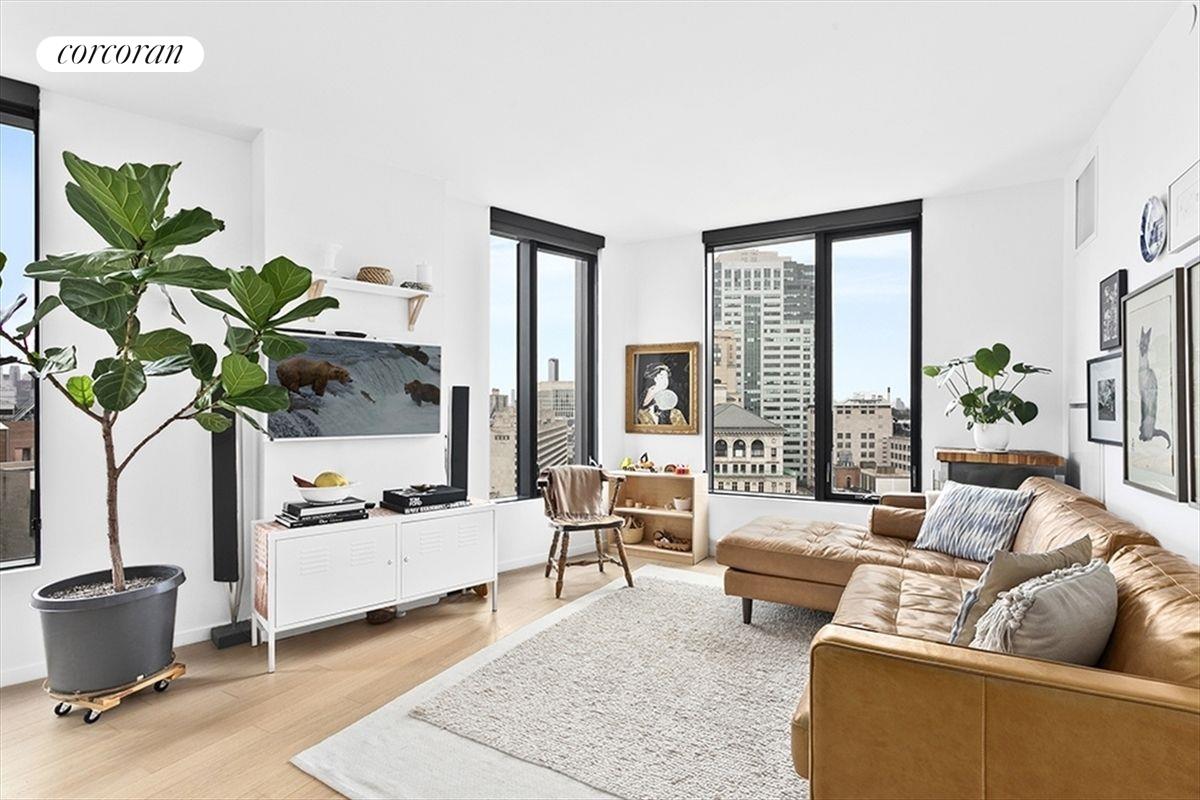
x=416 y=297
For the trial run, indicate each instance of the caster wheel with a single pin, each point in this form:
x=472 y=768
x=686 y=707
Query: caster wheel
x=161 y=686
x=62 y=709
x=91 y=716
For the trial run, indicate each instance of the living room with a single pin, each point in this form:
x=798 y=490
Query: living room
x=500 y=399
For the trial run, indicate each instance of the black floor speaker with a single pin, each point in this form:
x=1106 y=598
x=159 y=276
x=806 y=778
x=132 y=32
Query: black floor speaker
x=460 y=401
x=225 y=526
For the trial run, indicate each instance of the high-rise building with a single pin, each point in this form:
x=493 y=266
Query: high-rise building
x=497 y=400
x=725 y=366
x=748 y=453
x=552 y=369
x=502 y=462
x=870 y=451
x=555 y=443
x=764 y=309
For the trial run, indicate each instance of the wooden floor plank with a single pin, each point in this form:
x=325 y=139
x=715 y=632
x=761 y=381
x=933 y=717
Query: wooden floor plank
x=228 y=729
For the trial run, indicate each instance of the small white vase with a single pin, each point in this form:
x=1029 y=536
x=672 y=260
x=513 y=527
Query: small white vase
x=992 y=436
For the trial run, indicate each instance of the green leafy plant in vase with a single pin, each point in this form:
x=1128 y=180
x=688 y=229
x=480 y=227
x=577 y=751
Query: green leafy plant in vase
x=127 y=207
x=988 y=399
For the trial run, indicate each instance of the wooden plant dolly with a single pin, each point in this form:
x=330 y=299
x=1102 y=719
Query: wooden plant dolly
x=97 y=703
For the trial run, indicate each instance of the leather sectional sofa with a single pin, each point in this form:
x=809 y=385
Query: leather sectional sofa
x=892 y=710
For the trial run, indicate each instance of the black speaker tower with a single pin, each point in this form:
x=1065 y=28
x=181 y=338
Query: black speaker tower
x=460 y=401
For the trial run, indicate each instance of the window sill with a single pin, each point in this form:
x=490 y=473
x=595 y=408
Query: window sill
x=15 y=569
x=848 y=500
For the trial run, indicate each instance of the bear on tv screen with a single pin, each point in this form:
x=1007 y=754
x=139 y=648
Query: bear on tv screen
x=358 y=387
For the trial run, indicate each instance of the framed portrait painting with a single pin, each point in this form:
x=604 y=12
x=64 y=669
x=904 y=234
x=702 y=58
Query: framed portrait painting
x=1112 y=289
x=1155 y=430
x=661 y=388
x=1105 y=400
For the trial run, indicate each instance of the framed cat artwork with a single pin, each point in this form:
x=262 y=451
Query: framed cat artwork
x=1155 y=374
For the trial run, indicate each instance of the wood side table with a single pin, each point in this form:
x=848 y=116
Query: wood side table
x=1004 y=470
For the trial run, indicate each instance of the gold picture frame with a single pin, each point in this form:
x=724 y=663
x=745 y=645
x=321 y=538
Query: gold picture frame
x=662 y=388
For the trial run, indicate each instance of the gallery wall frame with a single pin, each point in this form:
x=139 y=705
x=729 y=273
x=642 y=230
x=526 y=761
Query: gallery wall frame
x=1183 y=209
x=1112 y=289
x=1105 y=399
x=1193 y=367
x=1154 y=370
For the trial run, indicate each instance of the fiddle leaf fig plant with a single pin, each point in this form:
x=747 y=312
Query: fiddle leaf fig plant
x=987 y=398
x=127 y=206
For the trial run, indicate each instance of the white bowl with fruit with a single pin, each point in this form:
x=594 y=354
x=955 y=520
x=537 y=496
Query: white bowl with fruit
x=328 y=487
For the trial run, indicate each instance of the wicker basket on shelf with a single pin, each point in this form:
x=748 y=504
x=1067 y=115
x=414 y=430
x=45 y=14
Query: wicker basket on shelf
x=375 y=275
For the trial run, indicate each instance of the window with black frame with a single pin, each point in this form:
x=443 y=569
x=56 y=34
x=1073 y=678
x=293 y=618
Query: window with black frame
x=19 y=510
x=814 y=334
x=542 y=403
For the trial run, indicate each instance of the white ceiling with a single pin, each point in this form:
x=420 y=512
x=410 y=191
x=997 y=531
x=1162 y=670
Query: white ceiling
x=640 y=121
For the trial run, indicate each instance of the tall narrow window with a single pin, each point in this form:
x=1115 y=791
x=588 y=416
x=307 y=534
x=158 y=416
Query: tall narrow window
x=502 y=402
x=814 y=330
x=871 y=365
x=19 y=511
x=543 y=341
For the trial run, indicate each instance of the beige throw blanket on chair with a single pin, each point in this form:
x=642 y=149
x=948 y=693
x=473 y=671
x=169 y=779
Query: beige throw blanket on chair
x=576 y=492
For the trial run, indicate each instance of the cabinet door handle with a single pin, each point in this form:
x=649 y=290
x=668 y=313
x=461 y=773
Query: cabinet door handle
x=406 y=559
x=389 y=562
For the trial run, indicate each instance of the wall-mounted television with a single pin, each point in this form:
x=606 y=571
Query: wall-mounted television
x=343 y=386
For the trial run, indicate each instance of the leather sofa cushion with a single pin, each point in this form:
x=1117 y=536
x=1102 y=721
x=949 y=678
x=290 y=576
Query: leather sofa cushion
x=1063 y=523
x=1048 y=495
x=900 y=523
x=902 y=602
x=1157 y=633
x=800 y=727
x=827 y=552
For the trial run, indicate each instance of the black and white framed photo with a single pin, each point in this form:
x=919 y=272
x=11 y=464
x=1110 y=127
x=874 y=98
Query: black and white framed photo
x=1193 y=315
x=1105 y=400
x=1112 y=289
x=1183 y=208
x=1154 y=374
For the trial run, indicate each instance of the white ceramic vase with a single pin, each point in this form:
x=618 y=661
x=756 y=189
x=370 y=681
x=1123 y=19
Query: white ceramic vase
x=992 y=435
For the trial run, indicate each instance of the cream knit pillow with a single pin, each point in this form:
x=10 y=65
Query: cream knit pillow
x=1065 y=615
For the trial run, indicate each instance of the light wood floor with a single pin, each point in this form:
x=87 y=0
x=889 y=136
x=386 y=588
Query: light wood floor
x=227 y=728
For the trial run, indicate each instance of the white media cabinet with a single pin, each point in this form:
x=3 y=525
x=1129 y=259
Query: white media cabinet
x=308 y=576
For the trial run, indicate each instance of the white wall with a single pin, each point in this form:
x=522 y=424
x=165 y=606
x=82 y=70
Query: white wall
x=165 y=496
x=1147 y=138
x=991 y=272
x=313 y=194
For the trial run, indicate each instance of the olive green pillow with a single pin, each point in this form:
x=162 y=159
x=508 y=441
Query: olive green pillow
x=1006 y=570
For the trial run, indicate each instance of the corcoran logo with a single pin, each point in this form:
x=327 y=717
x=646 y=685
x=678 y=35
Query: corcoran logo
x=120 y=54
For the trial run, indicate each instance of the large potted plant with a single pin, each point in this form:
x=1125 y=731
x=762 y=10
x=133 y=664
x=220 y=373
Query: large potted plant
x=108 y=628
x=989 y=403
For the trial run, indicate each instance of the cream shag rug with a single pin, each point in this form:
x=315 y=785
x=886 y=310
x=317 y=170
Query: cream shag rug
x=658 y=691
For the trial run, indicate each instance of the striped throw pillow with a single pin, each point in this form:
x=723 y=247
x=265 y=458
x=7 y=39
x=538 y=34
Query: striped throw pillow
x=973 y=521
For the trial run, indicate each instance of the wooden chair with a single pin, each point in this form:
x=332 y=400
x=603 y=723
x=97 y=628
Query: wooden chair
x=565 y=522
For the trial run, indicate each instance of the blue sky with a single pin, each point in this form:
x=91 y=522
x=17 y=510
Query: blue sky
x=870 y=313
x=16 y=217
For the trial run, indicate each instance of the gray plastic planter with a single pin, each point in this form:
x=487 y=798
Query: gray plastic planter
x=98 y=643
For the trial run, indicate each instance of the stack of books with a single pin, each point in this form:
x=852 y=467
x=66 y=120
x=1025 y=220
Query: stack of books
x=301 y=514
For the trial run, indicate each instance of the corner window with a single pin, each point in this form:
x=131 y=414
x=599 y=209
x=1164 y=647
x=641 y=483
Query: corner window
x=814 y=333
x=543 y=349
x=20 y=514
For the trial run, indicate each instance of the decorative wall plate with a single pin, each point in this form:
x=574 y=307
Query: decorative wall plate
x=1154 y=229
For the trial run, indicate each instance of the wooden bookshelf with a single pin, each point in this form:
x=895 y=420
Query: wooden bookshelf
x=649 y=496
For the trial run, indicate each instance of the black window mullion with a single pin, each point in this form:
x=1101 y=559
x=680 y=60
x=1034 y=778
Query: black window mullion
x=914 y=405
x=822 y=440
x=585 y=359
x=526 y=369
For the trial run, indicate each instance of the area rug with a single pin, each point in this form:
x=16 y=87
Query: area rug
x=658 y=691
